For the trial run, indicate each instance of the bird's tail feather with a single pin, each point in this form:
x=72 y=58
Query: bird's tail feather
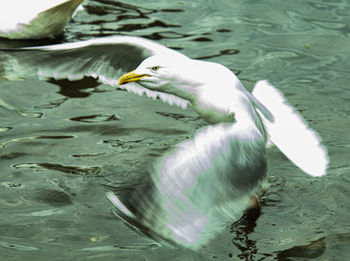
x=289 y=131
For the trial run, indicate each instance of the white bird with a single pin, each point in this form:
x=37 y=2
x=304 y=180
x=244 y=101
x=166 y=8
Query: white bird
x=205 y=180
x=35 y=19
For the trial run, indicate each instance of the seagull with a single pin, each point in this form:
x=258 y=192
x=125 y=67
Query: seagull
x=35 y=19
x=204 y=181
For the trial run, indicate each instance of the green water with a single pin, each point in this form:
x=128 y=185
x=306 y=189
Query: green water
x=63 y=144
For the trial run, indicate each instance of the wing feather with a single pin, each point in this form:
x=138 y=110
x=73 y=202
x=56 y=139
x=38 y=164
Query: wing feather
x=106 y=57
x=199 y=185
x=290 y=132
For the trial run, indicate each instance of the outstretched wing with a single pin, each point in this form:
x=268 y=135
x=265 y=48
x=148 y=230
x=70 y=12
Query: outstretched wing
x=104 y=59
x=289 y=131
x=198 y=185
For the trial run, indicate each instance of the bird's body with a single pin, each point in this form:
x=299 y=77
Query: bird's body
x=35 y=19
x=204 y=180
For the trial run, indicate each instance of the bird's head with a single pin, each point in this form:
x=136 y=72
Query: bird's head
x=208 y=86
x=166 y=74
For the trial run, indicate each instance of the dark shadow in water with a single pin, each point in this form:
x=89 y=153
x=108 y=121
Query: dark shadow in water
x=221 y=53
x=165 y=35
x=55 y=137
x=156 y=23
x=124 y=12
x=223 y=30
x=105 y=7
x=75 y=89
x=202 y=39
x=174 y=10
x=95 y=118
x=71 y=170
x=182 y=117
x=313 y=250
x=115 y=130
x=74 y=170
x=242 y=228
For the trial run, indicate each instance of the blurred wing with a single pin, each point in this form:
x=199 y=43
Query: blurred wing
x=104 y=59
x=199 y=185
x=290 y=133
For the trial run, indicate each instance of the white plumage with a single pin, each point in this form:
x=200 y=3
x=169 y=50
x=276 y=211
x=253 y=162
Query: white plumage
x=35 y=19
x=208 y=179
x=205 y=180
x=290 y=133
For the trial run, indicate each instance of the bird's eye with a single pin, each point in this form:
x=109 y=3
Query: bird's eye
x=155 y=68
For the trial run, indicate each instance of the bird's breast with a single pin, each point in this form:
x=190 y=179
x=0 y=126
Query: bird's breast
x=213 y=116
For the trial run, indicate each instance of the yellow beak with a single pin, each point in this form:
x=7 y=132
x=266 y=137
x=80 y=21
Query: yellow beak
x=131 y=77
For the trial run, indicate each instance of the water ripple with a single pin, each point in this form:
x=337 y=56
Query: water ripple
x=129 y=247
x=72 y=170
x=96 y=118
x=51 y=104
x=221 y=53
x=54 y=137
x=311 y=251
x=18 y=247
x=53 y=197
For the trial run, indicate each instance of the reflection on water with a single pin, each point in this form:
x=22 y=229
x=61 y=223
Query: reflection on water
x=311 y=251
x=75 y=89
x=63 y=144
x=241 y=230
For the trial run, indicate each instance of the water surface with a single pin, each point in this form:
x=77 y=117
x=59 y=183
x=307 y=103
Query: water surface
x=63 y=144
